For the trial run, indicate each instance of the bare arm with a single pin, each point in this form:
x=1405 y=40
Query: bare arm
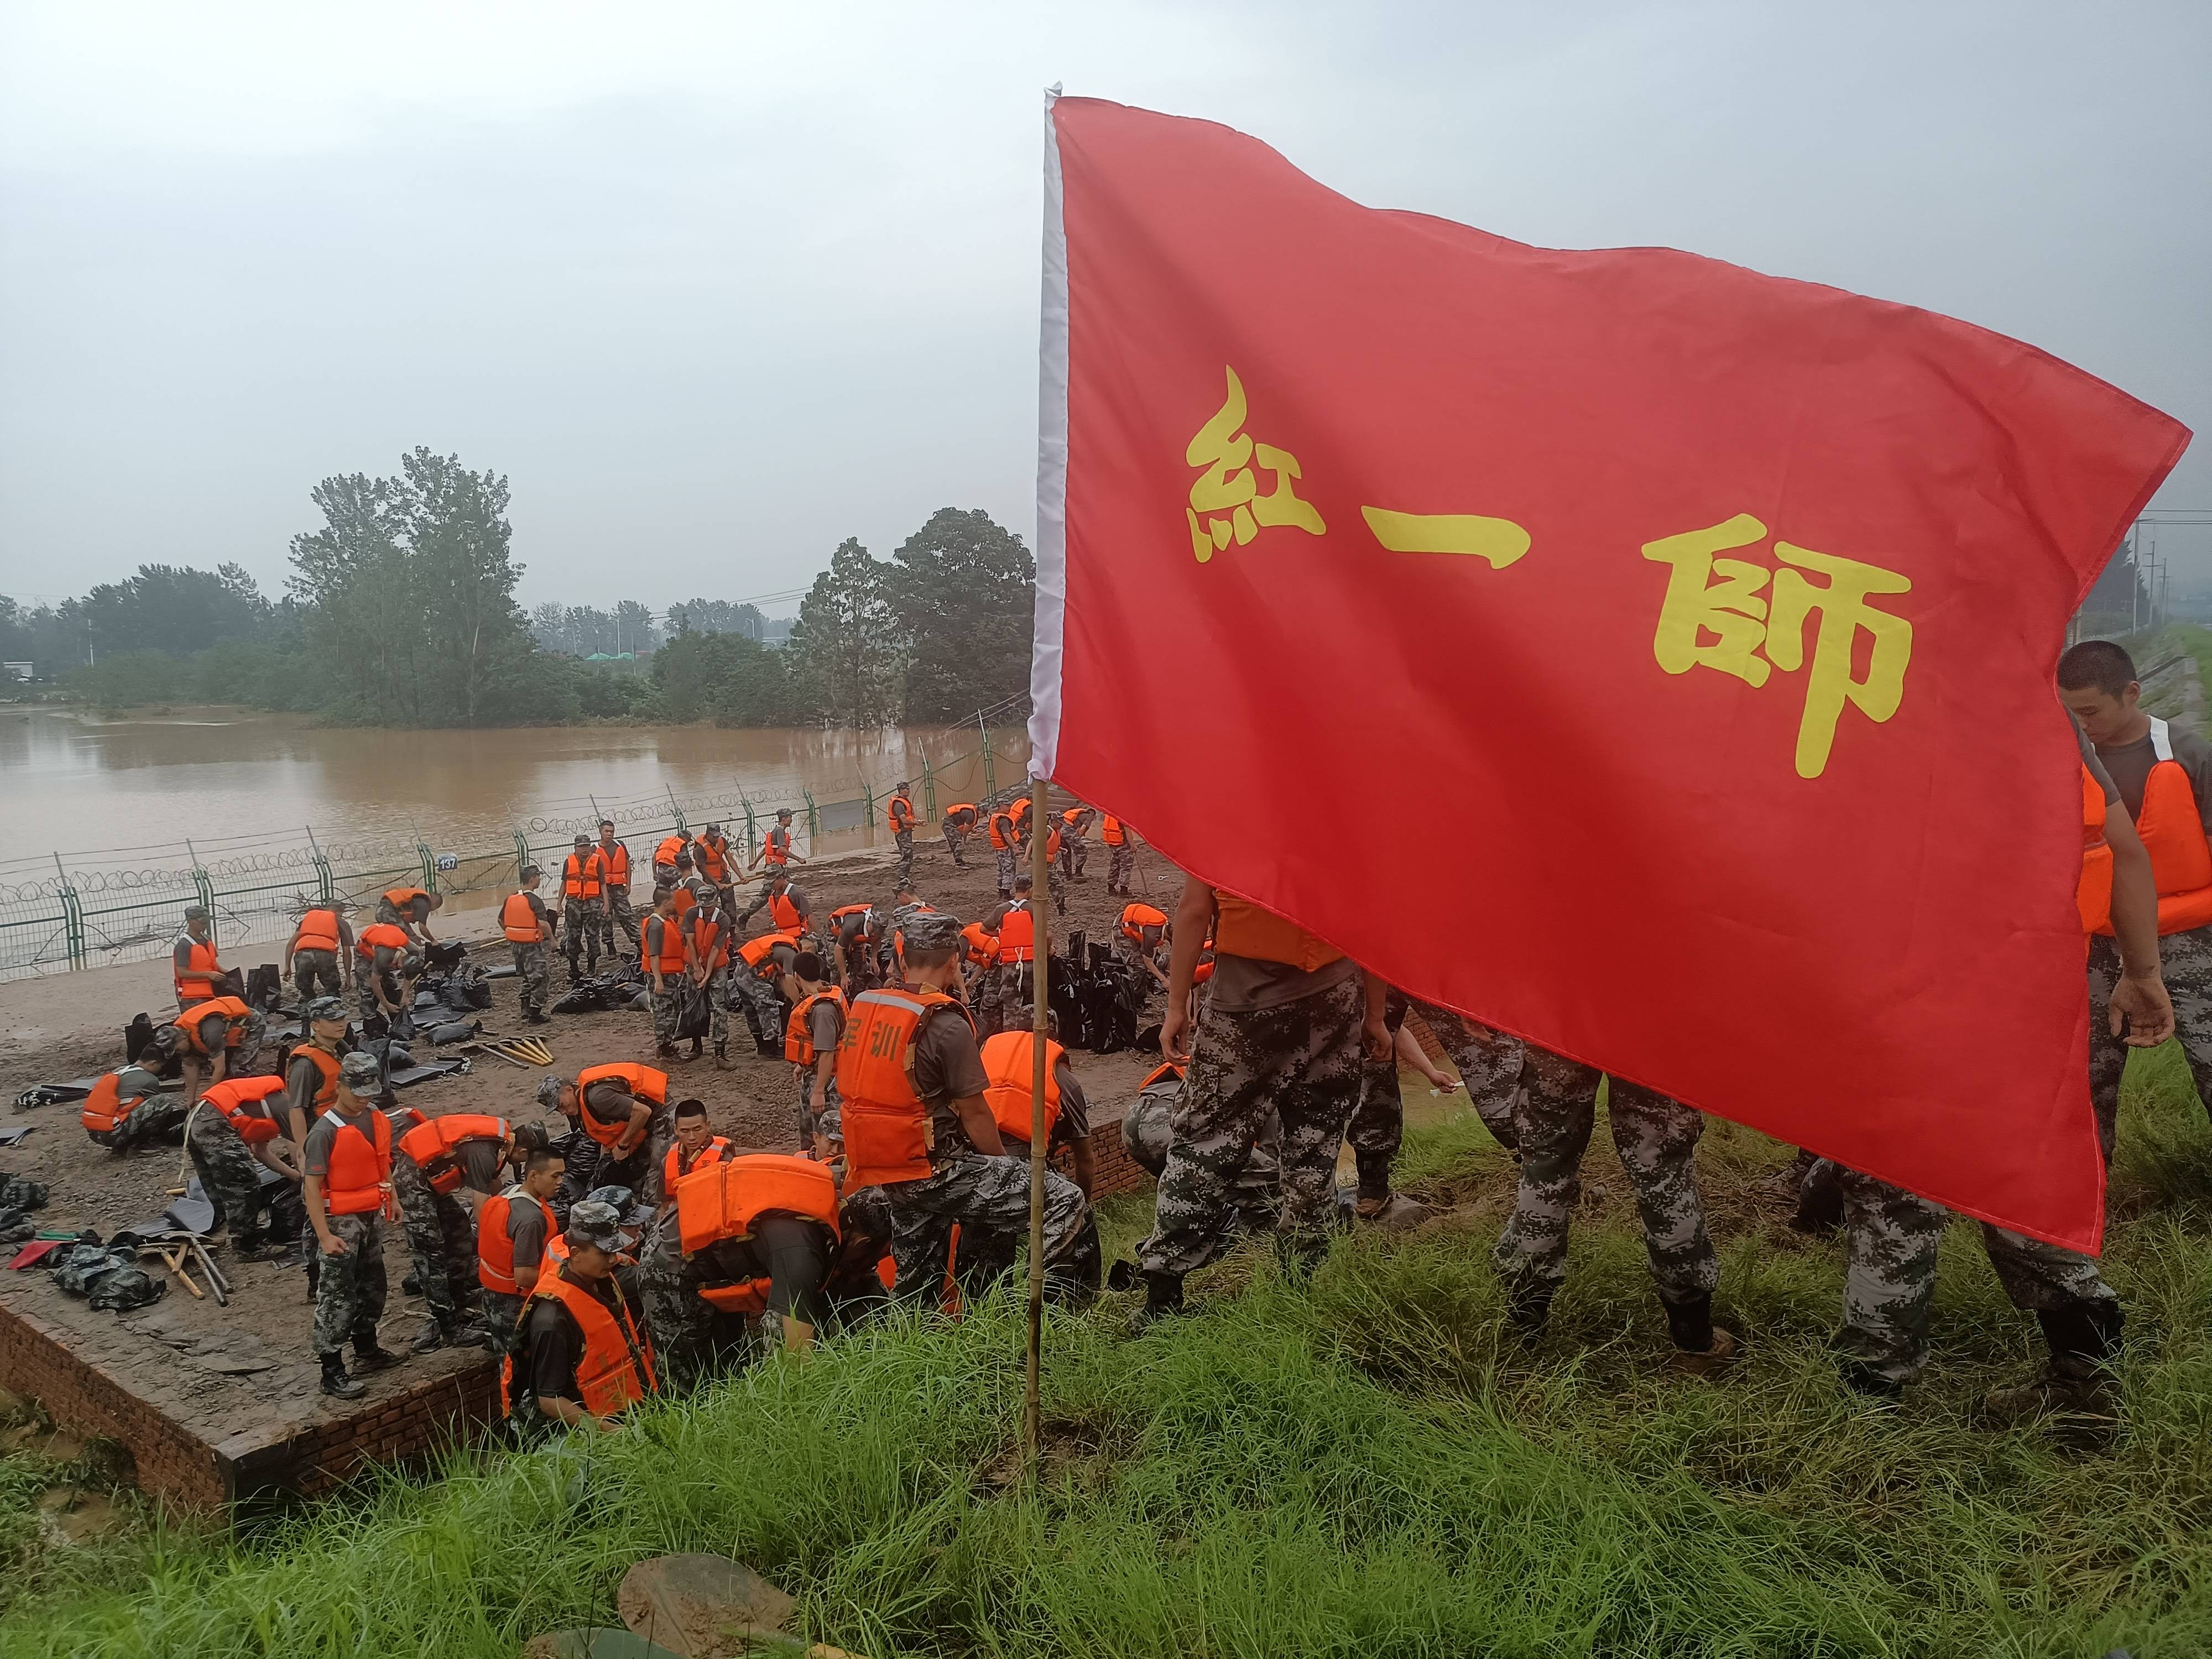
x=319 y=1218
x=1409 y=1054
x=982 y=1128
x=1086 y=1161
x=1193 y=918
x=634 y=1132
x=2140 y=1008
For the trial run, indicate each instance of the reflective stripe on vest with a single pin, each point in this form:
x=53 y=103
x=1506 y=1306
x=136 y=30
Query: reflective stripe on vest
x=233 y=1095
x=517 y=920
x=1009 y=1063
x=360 y=1178
x=201 y=969
x=722 y=1203
x=495 y=1245
x=799 y=1031
x=887 y=1133
x=671 y=1170
x=319 y=931
x=2172 y=826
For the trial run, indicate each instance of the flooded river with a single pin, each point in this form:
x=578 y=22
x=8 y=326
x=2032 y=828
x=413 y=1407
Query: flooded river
x=82 y=785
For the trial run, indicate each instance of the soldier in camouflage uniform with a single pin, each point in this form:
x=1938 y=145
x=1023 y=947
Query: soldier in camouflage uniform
x=710 y=970
x=1489 y=1065
x=1148 y=1130
x=1005 y=848
x=1377 y=1128
x=1286 y=1022
x=619 y=922
x=230 y=1170
x=544 y=1173
x=350 y=1295
x=583 y=916
x=900 y=812
x=210 y=1042
x=1004 y=1002
x=440 y=1227
x=533 y=971
x=664 y=951
x=154 y=1115
x=1656 y=1139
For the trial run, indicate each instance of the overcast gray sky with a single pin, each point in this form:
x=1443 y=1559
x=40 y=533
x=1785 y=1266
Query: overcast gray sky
x=718 y=285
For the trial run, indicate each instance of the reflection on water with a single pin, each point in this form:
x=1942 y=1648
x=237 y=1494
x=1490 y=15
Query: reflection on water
x=76 y=783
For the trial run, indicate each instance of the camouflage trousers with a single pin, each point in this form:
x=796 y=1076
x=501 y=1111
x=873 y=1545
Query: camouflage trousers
x=985 y=1194
x=831 y=1122
x=668 y=1010
x=1657 y=1138
x=582 y=922
x=2185 y=962
x=1301 y=1063
x=1255 y=1198
x=533 y=976
x=1489 y=1064
x=718 y=1006
x=365 y=983
x=1004 y=857
x=764 y=1009
x=794 y=1256
x=1377 y=1128
x=350 y=1295
x=502 y=1320
x=904 y=840
x=154 y=1119
x=618 y=922
x=441 y=1240
x=641 y=1170
x=1003 y=1003
x=1892 y=1238
x=229 y=1174
x=1122 y=866
x=1074 y=856
x=315 y=973
x=953 y=844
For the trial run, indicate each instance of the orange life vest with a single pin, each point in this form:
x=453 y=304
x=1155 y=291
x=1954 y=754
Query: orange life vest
x=798 y=1033
x=1010 y=1062
x=319 y=931
x=1019 y=810
x=670 y=958
x=665 y=853
x=686 y=900
x=716 y=1205
x=615 y=1370
x=581 y=877
x=2172 y=830
x=709 y=857
x=1073 y=817
x=1018 y=934
x=952 y=815
x=784 y=914
x=2093 y=895
x=671 y=1170
x=711 y=939
x=891 y=812
x=776 y=846
x=325 y=1062
x=887 y=1133
x=1002 y=831
x=517 y=920
x=1170 y=1070
x=756 y=953
x=614 y=864
x=234 y=1095
x=106 y=1106
x=1135 y=918
x=983 y=945
x=360 y=1178
x=433 y=1142
x=845 y=913
x=197 y=980
x=495 y=1246
x=400 y=898
x=1110 y=831
x=380 y=935
x=230 y=1008
x=646 y=1082
x=1244 y=929
x=1052 y=845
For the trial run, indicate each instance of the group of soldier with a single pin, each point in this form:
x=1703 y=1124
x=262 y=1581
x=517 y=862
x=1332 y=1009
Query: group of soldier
x=630 y=1248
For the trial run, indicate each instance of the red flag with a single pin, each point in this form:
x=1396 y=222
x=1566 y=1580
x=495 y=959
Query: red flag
x=1643 y=656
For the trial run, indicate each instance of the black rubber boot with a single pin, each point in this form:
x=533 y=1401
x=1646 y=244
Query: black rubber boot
x=1528 y=1306
x=432 y=1340
x=698 y=1046
x=370 y=1355
x=1690 y=1321
x=722 y=1062
x=532 y=1017
x=1163 y=1300
x=336 y=1383
x=1871 y=1385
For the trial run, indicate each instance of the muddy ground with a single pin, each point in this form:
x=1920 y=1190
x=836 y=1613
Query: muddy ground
x=248 y=1368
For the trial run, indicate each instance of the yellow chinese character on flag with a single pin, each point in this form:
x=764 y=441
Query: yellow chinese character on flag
x=1225 y=503
x=1708 y=595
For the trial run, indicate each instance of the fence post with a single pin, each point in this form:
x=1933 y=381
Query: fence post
x=521 y=855
x=990 y=778
x=752 y=832
x=813 y=816
x=867 y=805
x=928 y=788
x=430 y=866
x=203 y=888
x=72 y=916
x=323 y=883
x=676 y=806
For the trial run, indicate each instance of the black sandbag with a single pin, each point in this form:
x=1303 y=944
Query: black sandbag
x=459 y=1031
x=265 y=988
x=446 y=955
x=589 y=997
x=21 y=1193
x=126 y=1288
x=79 y=1267
x=137 y=1037
x=407 y=1076
x=694 y=1013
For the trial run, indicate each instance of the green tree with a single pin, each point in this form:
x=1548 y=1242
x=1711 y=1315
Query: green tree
x=727 y=677
x=455 y=522
x=964 y=591
x=845 y=646
x=355 y=580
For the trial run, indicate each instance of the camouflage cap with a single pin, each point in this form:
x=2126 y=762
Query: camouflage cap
x=324 y=1008
x=532 y=1137
x=931 y=930
x=596 y=1225
x=549 y=1090
x=196 y=913
x=361 y=1072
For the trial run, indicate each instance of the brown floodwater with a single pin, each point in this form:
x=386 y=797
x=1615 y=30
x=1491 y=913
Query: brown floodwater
x=130 y=790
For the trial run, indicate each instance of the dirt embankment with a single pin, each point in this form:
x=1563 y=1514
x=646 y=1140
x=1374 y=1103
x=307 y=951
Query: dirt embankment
x=223 y=1370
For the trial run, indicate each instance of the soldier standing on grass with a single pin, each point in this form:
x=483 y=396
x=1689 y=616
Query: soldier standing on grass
x=583 y=878
x=1377 y=1128
x=1893 y=1236
x=529 y=929
x=1283 y=1028
x=349 y=1196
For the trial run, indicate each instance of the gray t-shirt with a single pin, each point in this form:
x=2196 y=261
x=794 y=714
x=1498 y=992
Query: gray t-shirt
x=825 y=1024
x=1241 y=984
x=948 y=1065
x=2128 y=765
x=526 y=1225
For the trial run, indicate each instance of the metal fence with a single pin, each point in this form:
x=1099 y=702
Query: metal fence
x=126 y=904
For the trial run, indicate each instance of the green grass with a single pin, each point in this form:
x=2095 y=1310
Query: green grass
x=1363 y=1464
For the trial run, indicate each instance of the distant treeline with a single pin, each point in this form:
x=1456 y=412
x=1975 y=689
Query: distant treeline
x=401 y=611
